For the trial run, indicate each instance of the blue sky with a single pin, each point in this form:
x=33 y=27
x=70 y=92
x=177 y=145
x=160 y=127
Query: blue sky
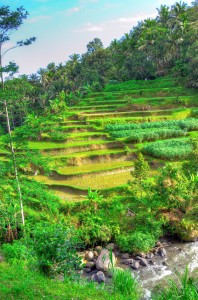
x=64 y=27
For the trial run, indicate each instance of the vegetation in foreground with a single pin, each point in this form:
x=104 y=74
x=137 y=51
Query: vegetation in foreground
x=46 y=242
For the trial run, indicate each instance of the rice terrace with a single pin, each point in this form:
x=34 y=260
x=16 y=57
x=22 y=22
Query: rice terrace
x=99 y=153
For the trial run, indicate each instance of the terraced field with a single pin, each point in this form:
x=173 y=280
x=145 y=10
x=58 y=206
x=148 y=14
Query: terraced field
x=105 y=131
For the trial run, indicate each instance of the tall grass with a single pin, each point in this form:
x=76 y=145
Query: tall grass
x=189 y=124
x=125 y=284
x=186 y=289
x=169 y=149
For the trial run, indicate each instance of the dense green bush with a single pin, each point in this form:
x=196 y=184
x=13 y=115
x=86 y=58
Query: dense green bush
x=136 y=241
x=56 y=247
x=18 y=251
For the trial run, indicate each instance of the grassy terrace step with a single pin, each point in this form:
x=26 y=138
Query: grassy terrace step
x=101 y=102
x=60 y=177
x=113 y=93
x=70 y=127
x=137 y=113
x=103 y=122
x=95 y=107
x=129 y=95
x=100 y=145
x=134 y=84
x=94 y=181
x=83 y=135
x=178 y=101
x=94 y=167
x=92 y=153
x=51 y=146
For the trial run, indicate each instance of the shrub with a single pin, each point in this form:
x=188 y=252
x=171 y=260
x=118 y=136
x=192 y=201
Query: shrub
x=187 y=230
x=56 y=246
x=15 y=252
x=135 y=242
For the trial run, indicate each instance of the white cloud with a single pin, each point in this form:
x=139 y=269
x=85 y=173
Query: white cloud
x=38 y=19
x=90 y=28
x=73 y=10
x=111 y=25
x=134 y=19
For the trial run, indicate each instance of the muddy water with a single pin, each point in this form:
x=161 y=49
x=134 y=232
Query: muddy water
x=179 y=255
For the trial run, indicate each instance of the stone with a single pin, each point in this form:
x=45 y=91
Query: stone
x=128 y=261
x=158 y=244
x=99 y=277
x=125 y=256
x=89 y=255
x=98 y=249
x=95 y=254
x=90 y=264
x=162 y=252
x=138 y=257
x=150 y=255
x=110 y=246
x=135 y=265
x=103 y=262
x=87 y=270
x=143 y=262
x=151 y=262
x=141 y=255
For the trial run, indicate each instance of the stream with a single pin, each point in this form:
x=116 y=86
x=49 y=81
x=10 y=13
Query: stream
x=179 y=255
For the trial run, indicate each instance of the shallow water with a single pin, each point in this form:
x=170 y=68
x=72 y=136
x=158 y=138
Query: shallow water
x=179 y=255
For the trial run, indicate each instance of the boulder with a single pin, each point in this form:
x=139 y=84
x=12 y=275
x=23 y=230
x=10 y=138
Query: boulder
x=99 y=277
x=90 y=264
x=143 y=262
x=87 y=270
x=151 y=262
x=110 y=246
x=103 y=262
x=162 y=252
x=98 y=249
x=95 y=254
x=158 y=244
x=141 y=255
x=89 y=255
x=150 y=255
x=135 y=265
x=125 y=256
x=128 y=261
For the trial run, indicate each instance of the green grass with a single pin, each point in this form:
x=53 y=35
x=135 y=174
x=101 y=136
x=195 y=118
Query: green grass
x=18 y=282
x=136 y=84
x=93 y=181
x=66 y=170
x=186 y=288
x=169 y=149
x=50 y=145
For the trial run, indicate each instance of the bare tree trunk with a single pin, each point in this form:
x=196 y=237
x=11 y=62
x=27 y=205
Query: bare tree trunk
x=15 y=165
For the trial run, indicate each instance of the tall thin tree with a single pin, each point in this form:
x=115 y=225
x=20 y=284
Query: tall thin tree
x=10 y=21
